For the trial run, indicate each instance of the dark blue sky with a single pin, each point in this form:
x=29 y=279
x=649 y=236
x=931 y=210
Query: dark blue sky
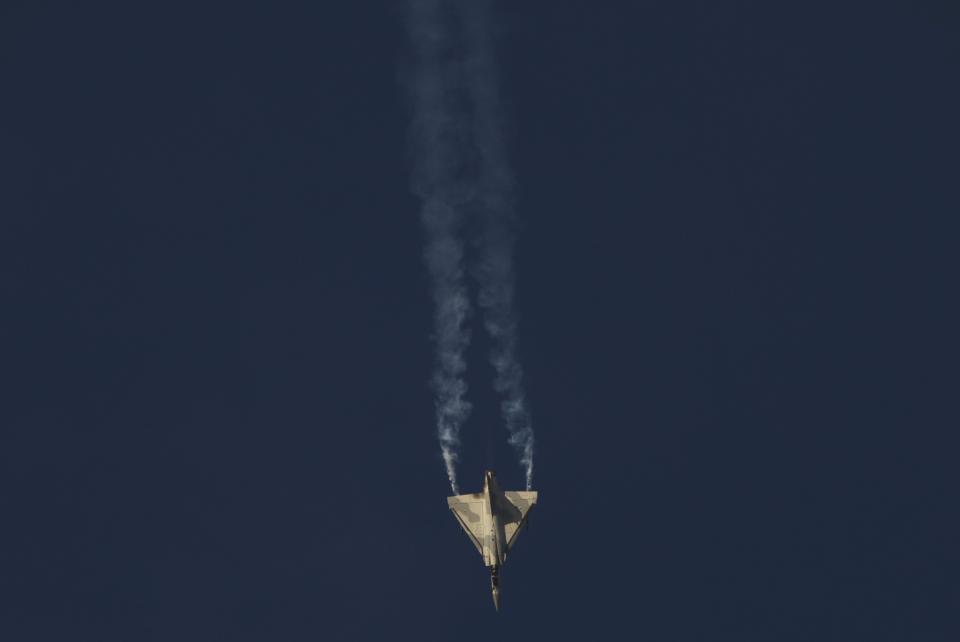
x=737 y=281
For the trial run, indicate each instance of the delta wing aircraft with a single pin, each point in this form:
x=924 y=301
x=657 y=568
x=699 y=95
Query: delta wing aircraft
x=493 y=519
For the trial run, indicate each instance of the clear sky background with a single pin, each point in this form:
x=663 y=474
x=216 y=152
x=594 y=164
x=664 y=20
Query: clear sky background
x=737 y=285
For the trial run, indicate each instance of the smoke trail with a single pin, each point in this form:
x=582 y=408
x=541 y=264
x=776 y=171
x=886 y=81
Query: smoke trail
x=494 y=203
x=436 y=128
x=461 y=169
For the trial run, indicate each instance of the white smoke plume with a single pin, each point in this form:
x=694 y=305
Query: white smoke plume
x=461 y=171
x=435 y=129
x=496 y=209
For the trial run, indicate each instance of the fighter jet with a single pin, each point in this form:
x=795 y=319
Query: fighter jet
x=493 y=519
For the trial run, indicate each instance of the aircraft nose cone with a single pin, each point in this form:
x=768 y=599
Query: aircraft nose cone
x=496 y=599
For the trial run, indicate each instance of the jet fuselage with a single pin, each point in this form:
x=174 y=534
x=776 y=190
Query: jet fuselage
x=492 y=519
